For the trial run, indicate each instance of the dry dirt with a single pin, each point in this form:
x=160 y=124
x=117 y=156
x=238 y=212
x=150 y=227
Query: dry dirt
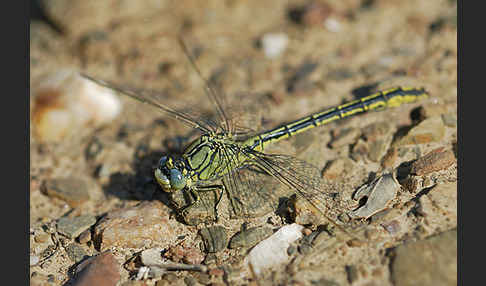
x=350 y=48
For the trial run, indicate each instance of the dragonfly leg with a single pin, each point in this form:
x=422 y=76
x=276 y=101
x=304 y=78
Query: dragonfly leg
x=203 y=189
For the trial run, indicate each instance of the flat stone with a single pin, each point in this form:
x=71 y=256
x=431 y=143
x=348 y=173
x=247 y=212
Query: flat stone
x=73 y=191
x=436 y=160
x=144 y=225
x=272 y=251
x=432 y=261
x=250 y=237
x=102 y=270
x=214 y=238
x=379 y=192
x=430 y=130
x=73 y=227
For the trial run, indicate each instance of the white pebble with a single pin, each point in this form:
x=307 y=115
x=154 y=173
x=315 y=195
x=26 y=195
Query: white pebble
x=273 y=250
x=152 y=256
x=65 y=103
x=332 y=25
x=34 y=259
x=274 y=44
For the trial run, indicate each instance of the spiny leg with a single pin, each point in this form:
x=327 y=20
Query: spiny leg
x=194 y=192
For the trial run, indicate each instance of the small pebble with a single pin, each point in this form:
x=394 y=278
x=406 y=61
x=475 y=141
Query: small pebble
x=102 y=269
x=430 y=130
x=73 y=227
x=307 y=231
x=436 y=160
x=85 y=236
x=185 y=253
x=34 y=259
x=72 y=190
x=355 y=242
x=332 y=25
x=274 y=44
x=42 y=237
x=75 y=252
x=193 y=256
x=393 y=227
x=216 y=272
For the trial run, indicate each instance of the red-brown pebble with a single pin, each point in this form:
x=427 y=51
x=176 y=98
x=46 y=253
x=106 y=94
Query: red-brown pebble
x=102 y=270
x=433 y=161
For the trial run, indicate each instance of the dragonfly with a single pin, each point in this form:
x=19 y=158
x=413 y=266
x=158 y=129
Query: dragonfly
x=226 y=158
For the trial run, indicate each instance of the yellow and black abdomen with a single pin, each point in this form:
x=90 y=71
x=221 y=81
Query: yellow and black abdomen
x=380 y=100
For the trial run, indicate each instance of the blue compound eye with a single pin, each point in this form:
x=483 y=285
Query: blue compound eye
x=162 y=161
x=177 y=181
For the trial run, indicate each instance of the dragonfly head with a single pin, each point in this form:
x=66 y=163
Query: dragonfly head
x=170 y=174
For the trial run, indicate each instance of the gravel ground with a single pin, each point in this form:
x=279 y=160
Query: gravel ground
x=97 y=216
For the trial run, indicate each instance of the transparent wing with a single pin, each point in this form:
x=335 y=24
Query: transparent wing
x=213 y=93
x=300 y=177
x=233 y=117
x=150 y=97
x=249 y=190
x=252 y=193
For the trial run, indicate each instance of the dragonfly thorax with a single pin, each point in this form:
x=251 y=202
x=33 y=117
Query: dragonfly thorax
x=172 y=175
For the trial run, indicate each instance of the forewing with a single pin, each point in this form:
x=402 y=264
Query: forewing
x=151 y=97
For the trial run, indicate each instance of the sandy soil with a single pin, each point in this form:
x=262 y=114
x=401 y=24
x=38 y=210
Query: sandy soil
x=350 y=48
